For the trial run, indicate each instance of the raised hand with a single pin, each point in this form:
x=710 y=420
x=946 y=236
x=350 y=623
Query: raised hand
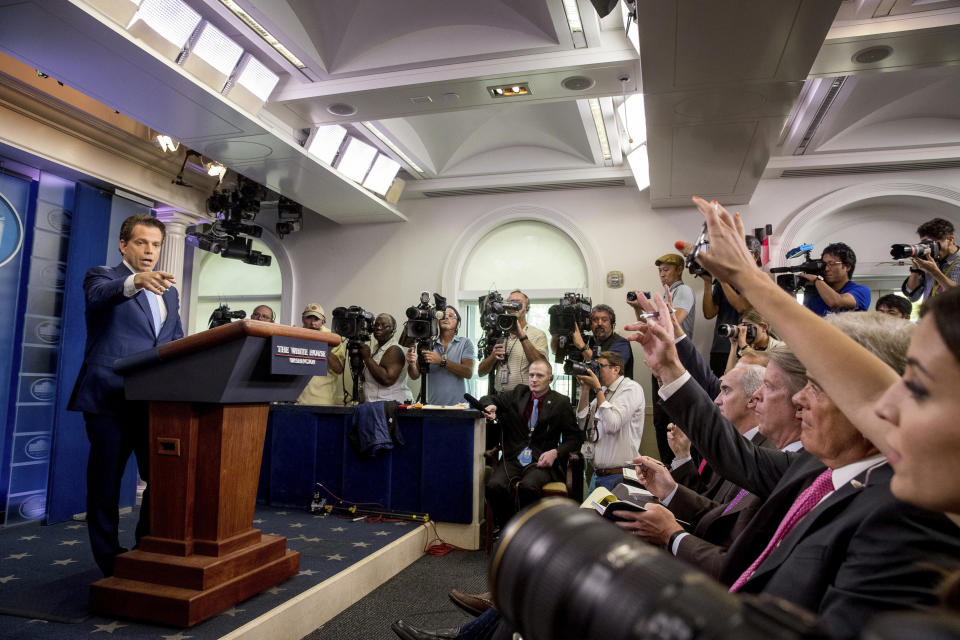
x=727 y=256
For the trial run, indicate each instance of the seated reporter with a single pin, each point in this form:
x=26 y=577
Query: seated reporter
x=384 y=377
x=539 y=432
x=612 y=421
x=843 y=546
x=449 y=362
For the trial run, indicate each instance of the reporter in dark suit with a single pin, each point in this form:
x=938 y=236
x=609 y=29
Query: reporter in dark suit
x=129 y=308
x=539 y=432
x=830 y=536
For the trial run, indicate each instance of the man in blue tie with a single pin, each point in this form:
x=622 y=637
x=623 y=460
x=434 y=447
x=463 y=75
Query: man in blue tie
x=129 y=308
x=539 y=432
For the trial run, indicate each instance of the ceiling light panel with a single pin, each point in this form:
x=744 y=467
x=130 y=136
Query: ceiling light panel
x=252 y=84
x=382 y=137
x=356 y=159
x=213 y=56
x=324 y=142
x=597 y=114
x=171 y=20
x=381 y=175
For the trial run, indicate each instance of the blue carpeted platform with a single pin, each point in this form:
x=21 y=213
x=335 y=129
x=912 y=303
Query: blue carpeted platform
x=45 y=572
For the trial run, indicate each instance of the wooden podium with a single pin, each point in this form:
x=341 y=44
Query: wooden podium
x=209 y=399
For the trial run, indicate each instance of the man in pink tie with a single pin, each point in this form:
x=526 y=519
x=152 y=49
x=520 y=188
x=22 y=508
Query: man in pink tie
x=829 y=536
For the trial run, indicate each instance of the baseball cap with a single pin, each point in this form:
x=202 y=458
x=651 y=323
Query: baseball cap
x=314 y=310
x=670 y=258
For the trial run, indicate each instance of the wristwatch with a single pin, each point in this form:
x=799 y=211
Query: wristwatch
x=523 y=338
x=443 y=360
x=820 y=278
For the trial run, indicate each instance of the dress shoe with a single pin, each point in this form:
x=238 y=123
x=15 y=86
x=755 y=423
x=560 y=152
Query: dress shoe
x=409 y=632
x=475 y=603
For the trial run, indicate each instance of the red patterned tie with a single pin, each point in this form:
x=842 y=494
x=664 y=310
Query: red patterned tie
x=806 y=501
x=703 y=465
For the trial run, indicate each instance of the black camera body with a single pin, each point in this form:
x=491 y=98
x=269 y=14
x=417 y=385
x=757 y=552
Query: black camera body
x=701 y=243
x=571 y=313
x=573 y=367
x=222 y=315
x=353 y=323
x=929 y=249
x=632 y=296
x=495 y=320
x=423 y=320
x=731 y=331
x=790 y=281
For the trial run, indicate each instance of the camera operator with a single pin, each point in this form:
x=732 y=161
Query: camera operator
x=720 y=301
x=450 y=362
x=834 y=291
x=894 y=305
x=613 y=421
x=754 y=332
x=930 y=277
x=263 y=313
x=328 y=389
x=384 y=376
x=603 y=319
x=510 y=361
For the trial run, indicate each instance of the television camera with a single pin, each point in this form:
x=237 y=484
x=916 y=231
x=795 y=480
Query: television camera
x=231 y=233
x=423 y=326
x=572 y=313
x=222 y=315
x=355 y=325
x=496 y=320
x=789 y=280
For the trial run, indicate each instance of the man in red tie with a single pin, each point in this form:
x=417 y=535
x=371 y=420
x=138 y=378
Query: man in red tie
x=829 y=536
x=539 y=431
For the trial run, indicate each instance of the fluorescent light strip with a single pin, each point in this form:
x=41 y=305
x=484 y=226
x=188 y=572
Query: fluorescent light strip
x=573 y=16
x=382 y=174
x=263 y=33
x=256 y=78
x=390 y=145
x=172 y=20
x=601 y=129
x=216 y=49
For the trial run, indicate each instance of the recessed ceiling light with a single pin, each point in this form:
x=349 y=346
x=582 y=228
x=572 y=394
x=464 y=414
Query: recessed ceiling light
x=212 y=57
x=341 y=109
x=510 y=90
x=871 y=55
x=578 y=83
x=165 y=25
x=601 y=128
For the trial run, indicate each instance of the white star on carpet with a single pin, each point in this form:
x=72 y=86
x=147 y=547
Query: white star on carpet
x=306 y=539
x=335 y=556
x=178 y=636
x=6 y=579
x=281 y=513
x=76 y=526
x=17 y=556
x=70 y=542
x=29 y=537
x=361 y=544
x=258 y=521
x=382 y=533
x=296 y=525
x=338 y=529
x=233 y=611
x=38 y=620
x=109 y=628
x=275 y=590
x=306 y=572
x=63 y=562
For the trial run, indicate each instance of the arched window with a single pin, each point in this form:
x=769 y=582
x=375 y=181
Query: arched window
x=536 y=257
x=221 y=280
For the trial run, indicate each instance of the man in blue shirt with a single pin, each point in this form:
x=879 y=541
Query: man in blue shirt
x=450 y=362
x=834 y=291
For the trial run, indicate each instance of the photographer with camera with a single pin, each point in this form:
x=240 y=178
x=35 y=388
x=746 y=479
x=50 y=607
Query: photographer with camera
x=384 y=376
x=833 y=291
x=933 y=270
x=720 y=301
x=603 y=320
x=753 y=331
x=509 y=361
x=328 y=389
x=450 y=362
x=613 y=420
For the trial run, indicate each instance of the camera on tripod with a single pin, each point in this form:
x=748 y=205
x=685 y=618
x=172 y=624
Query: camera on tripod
x=353 y=323
x=789 y=280
x=731 y=331
x=222 y=315
x=423 y=320
x=495 y=320
x=928 y=249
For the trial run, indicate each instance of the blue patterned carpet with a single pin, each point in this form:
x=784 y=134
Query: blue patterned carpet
x=45 y=573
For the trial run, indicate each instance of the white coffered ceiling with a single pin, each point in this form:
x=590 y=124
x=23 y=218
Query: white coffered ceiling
x=733 y=90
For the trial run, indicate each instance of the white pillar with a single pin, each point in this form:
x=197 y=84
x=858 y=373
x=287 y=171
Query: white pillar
x=171 y=254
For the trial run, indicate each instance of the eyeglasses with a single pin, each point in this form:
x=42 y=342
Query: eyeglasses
x=599 y=364
x=833 y=264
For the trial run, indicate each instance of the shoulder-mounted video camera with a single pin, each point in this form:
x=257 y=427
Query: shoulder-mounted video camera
x=792 y=282
x=222 y=315
x=423 y=320
x=495 y=319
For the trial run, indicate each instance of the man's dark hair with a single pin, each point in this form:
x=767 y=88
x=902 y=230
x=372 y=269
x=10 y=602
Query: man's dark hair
x=126 y=229
x=893 y=301
x=938 y=229
x=607 y=310
x=613 y=358
x=844 y=253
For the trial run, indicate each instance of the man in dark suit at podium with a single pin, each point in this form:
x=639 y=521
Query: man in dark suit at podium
x=129 y=308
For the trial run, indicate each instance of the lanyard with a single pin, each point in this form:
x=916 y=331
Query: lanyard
x=936 y=287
